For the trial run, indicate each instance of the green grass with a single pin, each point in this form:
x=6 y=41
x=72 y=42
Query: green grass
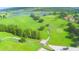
x=58 y=35
x=10 y=44
x=4 y=34
x=21 y=21
x=29 y=45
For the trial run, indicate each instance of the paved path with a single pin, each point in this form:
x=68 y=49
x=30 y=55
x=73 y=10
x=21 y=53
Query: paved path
x=60 y=48
x=42 y=49
x=45 y=41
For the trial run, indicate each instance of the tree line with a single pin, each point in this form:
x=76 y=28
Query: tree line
x=73 y=32
x=14 y=29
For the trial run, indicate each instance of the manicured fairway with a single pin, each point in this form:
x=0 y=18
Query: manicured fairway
x=57 y=33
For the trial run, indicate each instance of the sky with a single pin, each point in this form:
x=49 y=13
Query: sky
x=4 y=7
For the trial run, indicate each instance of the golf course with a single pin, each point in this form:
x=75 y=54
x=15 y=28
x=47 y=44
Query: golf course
x=23 y=28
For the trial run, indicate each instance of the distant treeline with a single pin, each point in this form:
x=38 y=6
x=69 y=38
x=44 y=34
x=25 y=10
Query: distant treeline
x=33 y=9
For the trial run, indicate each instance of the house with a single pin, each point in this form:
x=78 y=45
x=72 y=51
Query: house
x=69 y=18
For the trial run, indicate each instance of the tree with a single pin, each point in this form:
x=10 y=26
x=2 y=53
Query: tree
x=36 y=18
x=32 y=15
x=38 y=35
x=62 y=15
x=47 y=25
x=73 y=34
x=40 y=20
x=54 y=13
x=11 y=29
x=18 y=31
x=41 y=28
x=2 y=27
x=22 y=40
x=33 y=34
x=76 y=17
x=25 y=33
x=0 y=16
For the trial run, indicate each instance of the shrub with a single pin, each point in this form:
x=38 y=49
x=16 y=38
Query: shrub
x=36 y=18
x=41 y=28
x=22 y=40
x=1 y=27
x=40 y=21
x=47 y=25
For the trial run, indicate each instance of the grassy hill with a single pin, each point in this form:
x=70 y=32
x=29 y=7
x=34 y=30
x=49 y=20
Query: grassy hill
x=36 y=29
x=23 y=22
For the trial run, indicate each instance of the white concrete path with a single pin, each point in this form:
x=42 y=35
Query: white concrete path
x=60 y=48
x=42 y=49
